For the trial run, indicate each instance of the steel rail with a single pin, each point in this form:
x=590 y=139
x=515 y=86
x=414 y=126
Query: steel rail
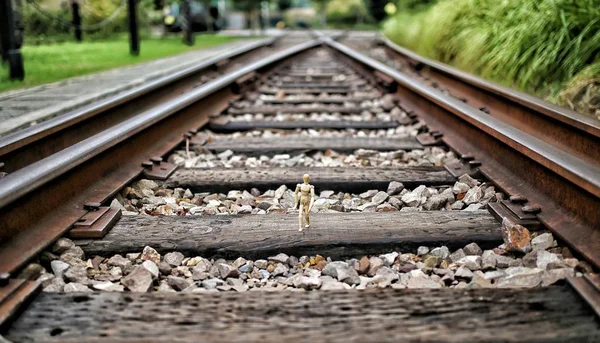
x=23 y=181
x=569 y=131
x=586 y=175
x=18 y=139
x=548 y=173
x=564 y=115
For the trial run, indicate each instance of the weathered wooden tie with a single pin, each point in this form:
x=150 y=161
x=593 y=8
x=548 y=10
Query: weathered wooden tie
x=552 y=314
x=234 y=126
x=317 y=84
x=326 y=178
x=319 y=100
x=295 y=143
x=272 y=90
x=271 y=110
x=331 y=234
x=304 y=74
x=335 y=70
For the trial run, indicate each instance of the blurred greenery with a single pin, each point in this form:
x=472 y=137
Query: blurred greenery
x=46 y=63
x=346 y=11
x=49 y=25
x=540 y=47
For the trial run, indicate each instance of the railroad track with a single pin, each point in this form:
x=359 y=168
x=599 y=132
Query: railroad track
x=416 y=190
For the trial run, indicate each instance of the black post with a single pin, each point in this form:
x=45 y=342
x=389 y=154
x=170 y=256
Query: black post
x=76 y=20
x=9 y=44
x=188 y=37
x=134 y=38
x=3 y=35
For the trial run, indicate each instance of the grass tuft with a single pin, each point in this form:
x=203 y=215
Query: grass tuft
x=535 y=46
x=55 y=62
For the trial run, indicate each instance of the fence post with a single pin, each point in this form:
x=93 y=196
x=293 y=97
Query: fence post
x=3 y=35
x=134 y=38
x=9 y=44
x=188 y=37
x=76 y=20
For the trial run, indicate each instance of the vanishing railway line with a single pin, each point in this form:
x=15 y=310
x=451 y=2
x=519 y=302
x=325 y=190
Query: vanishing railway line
x=186 y=189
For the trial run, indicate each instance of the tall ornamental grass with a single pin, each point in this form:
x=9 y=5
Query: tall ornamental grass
x=533 y=45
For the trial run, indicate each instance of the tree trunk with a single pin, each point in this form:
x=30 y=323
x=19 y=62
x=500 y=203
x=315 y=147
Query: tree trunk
x=208 y=17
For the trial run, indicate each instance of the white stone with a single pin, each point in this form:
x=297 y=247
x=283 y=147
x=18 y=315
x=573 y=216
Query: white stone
x=174 y=259
x=472 y=249
x=394 y=188
x=466 y=178
x=152 y=268
x=390 y=258
x=108 y=287
x=460 y=187
x=413 y=199
x=473 y=207
x=521 y=277
x=280 y=258
x=457 y=255
x=441 y=252
x=379 y=198
x=553 y=275
x=470 y=262
x=464 y=273
x=544 y=258
x=74 y=287
x=474 y=195
x=139 y=280
x=306 y=282
x=488 y=260
x=59 y=267
x=543 y=242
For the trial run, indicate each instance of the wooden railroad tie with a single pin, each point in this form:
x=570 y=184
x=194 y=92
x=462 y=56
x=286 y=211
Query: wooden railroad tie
x=234 y=126
x=295 y=143
x=331 y=234
x=554 y=314
x=319 y=100
x=347 y=179
x=272 y=110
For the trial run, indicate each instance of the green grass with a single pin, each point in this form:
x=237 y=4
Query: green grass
x=537 y=46
x=55 y=62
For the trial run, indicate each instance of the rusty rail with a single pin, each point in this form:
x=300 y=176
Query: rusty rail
x=563 y=189
x=34 y=143
x=105 y=162
x=570 y=131
x=565 y=186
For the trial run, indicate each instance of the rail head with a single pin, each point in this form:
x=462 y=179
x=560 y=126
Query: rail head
x=564 y=186
x=561 y=114
x=585 y=175
x=23 y=181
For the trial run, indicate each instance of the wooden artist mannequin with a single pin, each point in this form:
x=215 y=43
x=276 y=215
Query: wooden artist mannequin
x=307 y=199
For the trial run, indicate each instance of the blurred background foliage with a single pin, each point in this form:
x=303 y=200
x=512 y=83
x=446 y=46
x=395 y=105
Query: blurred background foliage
x=550 y=48
x=48 y=21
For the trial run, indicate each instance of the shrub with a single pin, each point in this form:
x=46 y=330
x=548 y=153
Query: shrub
x=346 y=11
x=41 y=26
x=533 y=45
x=53 y=25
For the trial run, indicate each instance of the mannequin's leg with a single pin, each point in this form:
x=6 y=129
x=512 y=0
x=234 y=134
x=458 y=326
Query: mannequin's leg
x=307 y=219
x=300 y=216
